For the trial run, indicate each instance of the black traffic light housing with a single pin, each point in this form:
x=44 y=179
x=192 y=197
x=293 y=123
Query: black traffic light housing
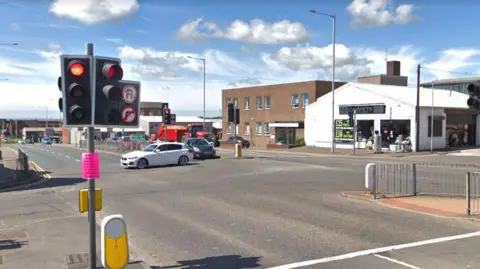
x=116 y=101
x=173 y=119
x=237 y=116
x=231 y=112
x=473 y=101
x=75 y=84
x=166 y=116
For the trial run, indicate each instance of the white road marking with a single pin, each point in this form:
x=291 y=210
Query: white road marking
x=59 y=154
x=53 y=152
x=376 y=250
x=396 y=261
x=77 y=160
x=68 y=157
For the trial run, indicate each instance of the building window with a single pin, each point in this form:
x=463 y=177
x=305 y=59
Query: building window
x=294 y=101
x=267 y=102
x=227 y=101
x=246 y=103
x=267 y=128
x=259 y=128
x=437 y=126
x=259 y=102
x=229 y=127
x=247 y=128
x=305 y=99
x=235 y=102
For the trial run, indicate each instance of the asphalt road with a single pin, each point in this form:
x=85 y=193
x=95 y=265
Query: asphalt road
x=259 y=212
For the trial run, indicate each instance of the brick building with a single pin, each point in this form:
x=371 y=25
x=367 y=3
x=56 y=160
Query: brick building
x=272 y=114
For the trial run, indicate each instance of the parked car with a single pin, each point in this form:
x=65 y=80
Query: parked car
x=20 y=141
x=46 y=141
x=201 y=147
x=245 y=143
x=164 y=153
x=29 y=141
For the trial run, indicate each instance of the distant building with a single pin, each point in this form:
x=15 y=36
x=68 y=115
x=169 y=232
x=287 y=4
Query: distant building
x=393 y=76
x=272 y=115
x=151 y=108
x=455 y=84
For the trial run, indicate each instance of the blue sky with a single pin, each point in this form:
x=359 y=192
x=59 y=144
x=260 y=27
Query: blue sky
x=153 y=38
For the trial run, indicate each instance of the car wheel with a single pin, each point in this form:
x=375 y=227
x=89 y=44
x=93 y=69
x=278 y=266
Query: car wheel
x=183 y=160
x=142 y=163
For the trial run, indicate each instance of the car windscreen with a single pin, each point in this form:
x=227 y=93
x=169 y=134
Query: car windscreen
x=199 y=142
x=150 y=148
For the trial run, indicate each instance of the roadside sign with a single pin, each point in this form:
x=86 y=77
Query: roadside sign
x=129 y=115
x=129 y=94
x=138 y=137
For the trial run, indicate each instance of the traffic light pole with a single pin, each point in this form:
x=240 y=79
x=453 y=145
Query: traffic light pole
x=91 y=187
x=166 y=139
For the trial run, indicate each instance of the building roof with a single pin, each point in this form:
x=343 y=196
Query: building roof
x=452 y=81
x=180 y=119
x=275 y=84
x=408 y=95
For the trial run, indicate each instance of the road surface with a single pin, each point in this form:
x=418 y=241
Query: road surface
x=264 y=211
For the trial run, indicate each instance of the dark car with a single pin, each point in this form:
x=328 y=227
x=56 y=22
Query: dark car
x=201 y=147
x=214 y=140
x=245 y=143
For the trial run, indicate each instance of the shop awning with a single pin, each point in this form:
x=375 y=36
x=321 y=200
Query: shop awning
x=286 y=124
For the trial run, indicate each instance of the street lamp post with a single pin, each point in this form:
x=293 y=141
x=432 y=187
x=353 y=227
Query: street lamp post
x=333 y=73
x=46 y=116
x=204 y=75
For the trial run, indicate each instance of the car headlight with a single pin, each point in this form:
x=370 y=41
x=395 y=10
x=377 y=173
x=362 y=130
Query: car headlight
x=132 y=158
x=196 y=149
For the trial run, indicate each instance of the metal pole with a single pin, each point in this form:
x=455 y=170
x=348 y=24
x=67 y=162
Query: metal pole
x=46 y=117
x=417 y=112
x=234 y=130
x=204 y=75
x=431 y=125
x=91 y=188
x=333 y=85
x=354 y=129
x=165 y=131
x=1 y=132
x=467 y=192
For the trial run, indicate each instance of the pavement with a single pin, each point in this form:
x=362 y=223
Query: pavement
x=263 y=211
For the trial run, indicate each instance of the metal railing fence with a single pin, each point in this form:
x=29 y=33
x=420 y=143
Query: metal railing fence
x=410 y=179
x=117 y=147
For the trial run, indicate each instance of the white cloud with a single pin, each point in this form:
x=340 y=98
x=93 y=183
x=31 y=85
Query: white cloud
x=255 y=31
x=95 y=11
x=116 y=41
x=172 y=77
x=453 y=60
x=373 y=13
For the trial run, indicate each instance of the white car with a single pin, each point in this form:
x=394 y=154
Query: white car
x=158 y=154
x=20 y=141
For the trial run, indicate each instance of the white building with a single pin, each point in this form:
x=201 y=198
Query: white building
x=391 y=111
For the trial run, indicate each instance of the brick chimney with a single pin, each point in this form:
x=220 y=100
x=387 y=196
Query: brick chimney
x=393 y=68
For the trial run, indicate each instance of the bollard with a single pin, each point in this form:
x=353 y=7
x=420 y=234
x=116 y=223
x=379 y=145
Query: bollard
x=369 y=176
x=238 y=150
x=114 y=248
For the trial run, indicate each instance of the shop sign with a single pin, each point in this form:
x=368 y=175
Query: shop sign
x=362 y=109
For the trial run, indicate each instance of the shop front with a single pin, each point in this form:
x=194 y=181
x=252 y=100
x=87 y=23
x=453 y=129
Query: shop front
x=461 y=129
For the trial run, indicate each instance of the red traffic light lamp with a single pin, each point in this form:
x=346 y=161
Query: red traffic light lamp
x=112 y=71
x=166 y=112
x=76 y=69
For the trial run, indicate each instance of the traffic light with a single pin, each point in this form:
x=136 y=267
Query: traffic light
x=76 y=89
x=474 y=92
x=117 y=101
x=166 y=116
x=237 y=116
x=230 y=112
x=173 y=119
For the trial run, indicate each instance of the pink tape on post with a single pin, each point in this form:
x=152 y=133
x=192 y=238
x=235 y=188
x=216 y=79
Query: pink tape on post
x=90 y=165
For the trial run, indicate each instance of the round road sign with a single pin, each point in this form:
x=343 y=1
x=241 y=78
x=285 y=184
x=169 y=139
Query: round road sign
x=129 y=94
x=129 y=115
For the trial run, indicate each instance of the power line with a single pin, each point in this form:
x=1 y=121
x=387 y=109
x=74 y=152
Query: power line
x=449 y=71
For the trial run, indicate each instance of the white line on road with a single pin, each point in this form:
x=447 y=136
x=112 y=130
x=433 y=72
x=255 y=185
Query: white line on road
x=375 y=251
x=396 y=261
x=59 y=154
x=53 y=152
x=77 y=160
x=68 y=157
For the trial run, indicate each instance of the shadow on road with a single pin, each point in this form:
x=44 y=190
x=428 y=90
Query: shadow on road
x=224 y=262
x=50 y=183
x=12 y=244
